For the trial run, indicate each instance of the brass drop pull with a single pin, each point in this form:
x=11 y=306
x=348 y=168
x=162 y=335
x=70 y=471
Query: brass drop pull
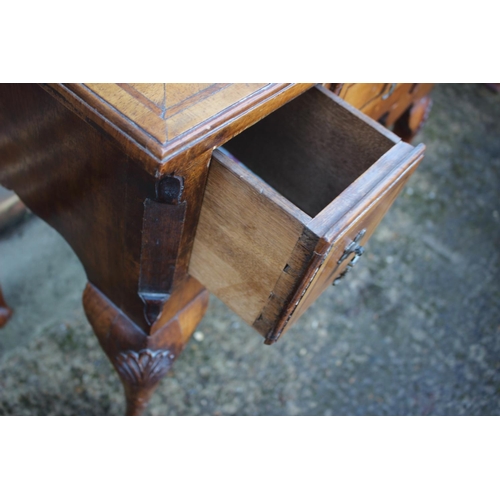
x=353 y=248
x=389 y=92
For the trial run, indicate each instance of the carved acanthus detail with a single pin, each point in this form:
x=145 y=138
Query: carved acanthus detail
x=142 y=359
x=145 y=367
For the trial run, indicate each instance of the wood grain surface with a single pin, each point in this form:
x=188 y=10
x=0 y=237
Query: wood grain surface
x=156 y=122
x=245 y=236
x=361 y=95
x=166 y=110
x=313 y=148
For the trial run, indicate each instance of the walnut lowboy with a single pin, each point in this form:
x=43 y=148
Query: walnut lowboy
x=130 y=175
x=294 y=192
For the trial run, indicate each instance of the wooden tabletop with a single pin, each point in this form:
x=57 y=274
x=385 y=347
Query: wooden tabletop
x=166 y=118
x=167 y=110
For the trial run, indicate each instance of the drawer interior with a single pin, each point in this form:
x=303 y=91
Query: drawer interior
x=311 y=149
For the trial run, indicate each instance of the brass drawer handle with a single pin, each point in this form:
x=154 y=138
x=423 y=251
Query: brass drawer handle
x=353 y=248
x=389 y=92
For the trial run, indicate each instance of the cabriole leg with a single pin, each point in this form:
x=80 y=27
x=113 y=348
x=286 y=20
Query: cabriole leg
x=142 y=359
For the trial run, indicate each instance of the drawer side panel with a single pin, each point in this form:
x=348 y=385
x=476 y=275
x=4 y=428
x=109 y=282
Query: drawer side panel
x=243 y=241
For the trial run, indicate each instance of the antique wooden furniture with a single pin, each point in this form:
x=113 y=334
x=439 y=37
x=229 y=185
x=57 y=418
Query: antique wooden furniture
x=402 y=106
x=129 y=174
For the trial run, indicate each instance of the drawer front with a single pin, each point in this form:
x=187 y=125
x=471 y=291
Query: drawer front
x=352 y=236
x=286 y=198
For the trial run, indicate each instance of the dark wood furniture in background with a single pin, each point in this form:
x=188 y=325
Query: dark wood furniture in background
x=5 y=310
x=128 y=175
x=12 y=210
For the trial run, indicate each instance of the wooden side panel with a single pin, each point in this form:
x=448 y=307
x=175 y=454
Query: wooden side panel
x=245 y=237
x=77 y=181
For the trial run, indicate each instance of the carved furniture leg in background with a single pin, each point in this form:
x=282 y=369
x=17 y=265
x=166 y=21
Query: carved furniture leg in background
x=413 y=119
x=5 y=310
x=142 y=359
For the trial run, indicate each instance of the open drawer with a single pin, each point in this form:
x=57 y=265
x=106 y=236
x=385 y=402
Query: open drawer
x=288 y=210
